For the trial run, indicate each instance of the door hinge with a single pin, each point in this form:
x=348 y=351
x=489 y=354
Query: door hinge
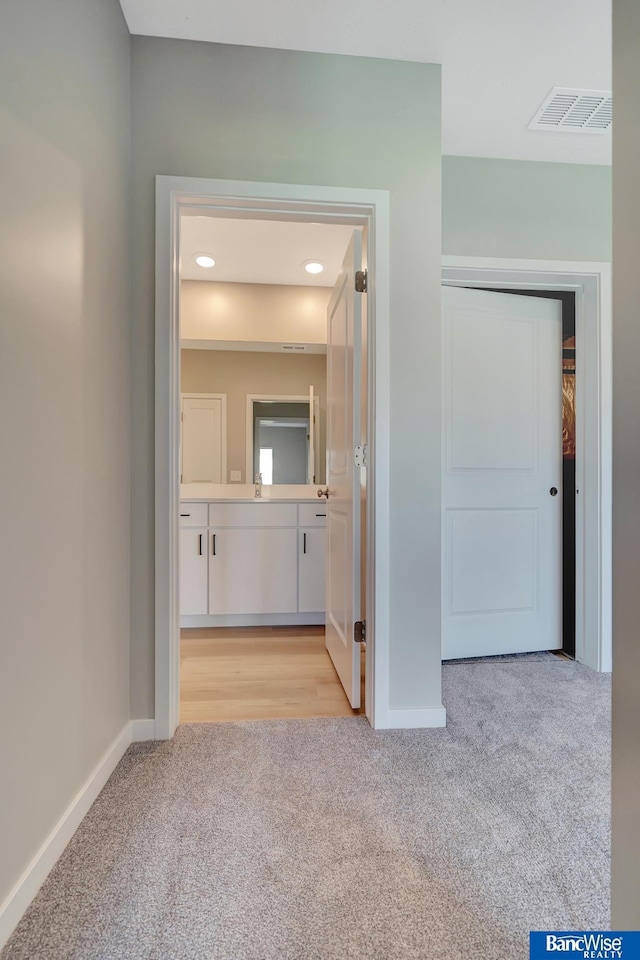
x=361 y=455
x=362 y=277
x=360 y=631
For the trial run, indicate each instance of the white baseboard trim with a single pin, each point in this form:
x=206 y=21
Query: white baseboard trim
x=419 y=718
x=255 y=620
x=142 y=730
x=24 y=891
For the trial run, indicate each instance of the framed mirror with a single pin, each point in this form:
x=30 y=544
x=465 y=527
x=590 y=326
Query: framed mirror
x=283 y=434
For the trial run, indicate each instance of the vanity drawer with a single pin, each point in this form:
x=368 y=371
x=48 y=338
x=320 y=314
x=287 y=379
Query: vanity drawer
x=193 y=514
x=257 y=513
x=312 y=514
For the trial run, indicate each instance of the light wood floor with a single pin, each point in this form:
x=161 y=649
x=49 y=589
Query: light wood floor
x=261 y=673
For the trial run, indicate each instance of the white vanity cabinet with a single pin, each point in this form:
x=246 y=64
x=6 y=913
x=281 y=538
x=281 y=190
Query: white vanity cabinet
x=252 y=571
x=252 y=563
x=194 y=585
x=312 y=519
x=311 y=564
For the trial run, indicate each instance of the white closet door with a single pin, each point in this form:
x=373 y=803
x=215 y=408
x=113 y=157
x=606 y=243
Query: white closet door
x=502 y=474
x=253 y=570
x=202 y=440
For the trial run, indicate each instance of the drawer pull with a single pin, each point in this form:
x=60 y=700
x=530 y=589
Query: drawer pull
x=213 y=544
x=304 y=541
x=185 y=514
x=200 y=544
x=320 y=514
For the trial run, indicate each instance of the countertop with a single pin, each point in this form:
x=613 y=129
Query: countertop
x=245 y=493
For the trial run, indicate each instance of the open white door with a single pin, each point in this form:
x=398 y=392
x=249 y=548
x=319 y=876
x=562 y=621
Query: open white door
x=343 y=481
x=502 y=474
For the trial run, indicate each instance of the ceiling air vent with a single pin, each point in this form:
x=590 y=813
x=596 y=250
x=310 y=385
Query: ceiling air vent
x=575 y=111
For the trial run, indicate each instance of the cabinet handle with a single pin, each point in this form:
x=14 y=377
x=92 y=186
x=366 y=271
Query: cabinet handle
x=200 y=544
x=320 y=514
x=213 y=544
x=185 y=514
x=304 y=541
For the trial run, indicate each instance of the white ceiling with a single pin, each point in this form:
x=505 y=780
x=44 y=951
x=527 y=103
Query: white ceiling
x=262 y=251
x=500 y=57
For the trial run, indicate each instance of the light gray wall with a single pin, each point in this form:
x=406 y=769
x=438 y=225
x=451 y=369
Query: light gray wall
x=205 y=110
x=626 y=468
x=64 y=407
x=513 y=208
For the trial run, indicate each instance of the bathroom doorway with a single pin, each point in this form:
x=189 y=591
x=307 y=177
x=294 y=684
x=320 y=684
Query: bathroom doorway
x=281 y=346
x=367 y=209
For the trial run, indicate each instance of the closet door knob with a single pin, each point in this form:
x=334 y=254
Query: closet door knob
x=554 y=491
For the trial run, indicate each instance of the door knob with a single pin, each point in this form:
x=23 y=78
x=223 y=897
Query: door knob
x=324 y=493
x=553 y=491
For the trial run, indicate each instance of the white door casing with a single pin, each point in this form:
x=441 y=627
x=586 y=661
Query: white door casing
x=203 y=438
x=502 y=456
x=343 y=482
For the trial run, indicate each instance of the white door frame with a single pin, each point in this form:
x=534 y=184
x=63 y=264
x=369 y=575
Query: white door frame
x=281 y=398
x=223 y=426
x=364 y=208
x=591 y=283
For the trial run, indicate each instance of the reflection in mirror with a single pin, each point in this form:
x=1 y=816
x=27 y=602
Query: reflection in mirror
x=281 y=442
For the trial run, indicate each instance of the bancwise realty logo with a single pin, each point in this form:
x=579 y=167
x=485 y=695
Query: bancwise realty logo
x=593 y=945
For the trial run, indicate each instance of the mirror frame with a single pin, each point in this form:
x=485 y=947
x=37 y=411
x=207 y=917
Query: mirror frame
x=280 y=398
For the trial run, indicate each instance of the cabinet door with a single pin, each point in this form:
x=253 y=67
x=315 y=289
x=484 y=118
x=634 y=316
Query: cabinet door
x=311 y=564
x=193 y=571
x=252 y=571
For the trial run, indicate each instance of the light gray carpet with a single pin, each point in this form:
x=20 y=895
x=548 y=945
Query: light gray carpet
x=324 y=840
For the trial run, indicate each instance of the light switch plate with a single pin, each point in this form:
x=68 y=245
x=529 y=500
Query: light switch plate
x=236 y=476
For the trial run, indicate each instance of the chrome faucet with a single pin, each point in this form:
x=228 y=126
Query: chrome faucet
x=258 y=485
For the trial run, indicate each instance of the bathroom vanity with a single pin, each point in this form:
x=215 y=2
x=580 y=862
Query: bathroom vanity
x=247 y=561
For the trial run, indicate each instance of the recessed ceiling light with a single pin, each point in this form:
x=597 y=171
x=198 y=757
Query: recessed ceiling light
x=204 y=260
x=313 y=266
